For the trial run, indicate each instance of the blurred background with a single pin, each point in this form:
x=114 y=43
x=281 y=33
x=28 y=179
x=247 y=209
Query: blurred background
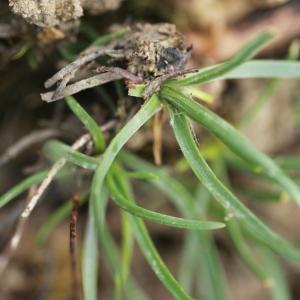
x=216 y=29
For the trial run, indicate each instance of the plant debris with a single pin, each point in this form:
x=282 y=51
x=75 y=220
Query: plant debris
x=148 y=53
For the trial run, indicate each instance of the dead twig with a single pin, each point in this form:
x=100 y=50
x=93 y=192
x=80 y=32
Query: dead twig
x=122 y=72
x=33 y=200
x=154 y=85
x=82 y=85
x=25 y=142
x=86 y=57
x=76 y=286
x=62 y=85
x=157 y=138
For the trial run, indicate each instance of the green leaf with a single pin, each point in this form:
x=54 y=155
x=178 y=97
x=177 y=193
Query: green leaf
x=232 y=205
x=141 y=175
x=112 y=255
x=55 y=149
x=213 y=72
x=265 y=69
x=206 y=259
x=279 y=286
x=231 y=138
x=244 y=252
x=97 y=188
x=121 y=277
x=148 y=248
x=128 y=205
x=90 y=260
x=290 y=162
x=235 y=232
x=88 y=122
x=264 y=96
x=145 y=113
x=22 y=187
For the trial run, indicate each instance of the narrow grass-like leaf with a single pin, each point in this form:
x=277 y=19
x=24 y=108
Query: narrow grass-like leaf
x=212 y=274
x=167 y=184
x=289 y=163
x=88 y=30
x=88 y=122
x=265 y=69
x=148 y=248
x=259 y=195
x=113 y=260
x=197 y=93
x=97 y=188
x=272 y=85
x=128 y=205
x=127 y=245
x=55 y=149
x=213 y=285
x=126 y=256
x=279 y=286
x=22 y=187
x=232 y=205
x=231 y=138
x=188 y=262
x=244 y=252
x=248 y=51
x=235 y=232
x=264 y=97
x=141 y=175
x=145 y=113
x=90 y=260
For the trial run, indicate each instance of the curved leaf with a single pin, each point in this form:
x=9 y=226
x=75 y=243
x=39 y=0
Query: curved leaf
x=89 y=123
x=207 y=74
x=22 y=187
x=231 y=138
x=138 y=211
x=224 y=196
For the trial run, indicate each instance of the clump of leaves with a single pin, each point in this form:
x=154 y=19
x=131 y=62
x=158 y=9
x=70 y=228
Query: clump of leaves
x=112 y=180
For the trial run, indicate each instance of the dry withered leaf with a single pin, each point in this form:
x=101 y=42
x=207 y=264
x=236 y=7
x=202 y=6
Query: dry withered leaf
x=148 y=53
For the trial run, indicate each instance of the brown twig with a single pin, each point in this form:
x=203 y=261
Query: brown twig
x=157 y=138
x=62 y=85
x=82 y=85
x=76 y=285
x=86 y=57
x=122 y=72
x=154 y=85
